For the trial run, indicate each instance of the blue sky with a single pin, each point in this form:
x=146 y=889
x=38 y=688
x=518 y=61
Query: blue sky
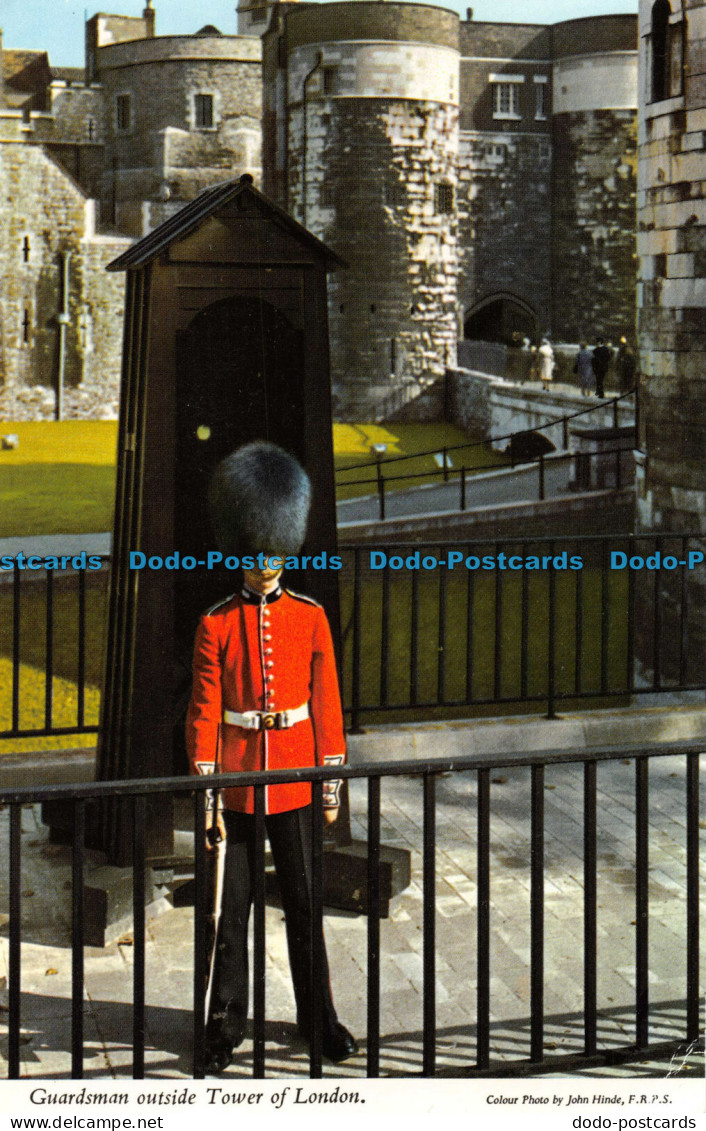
x=57 y=25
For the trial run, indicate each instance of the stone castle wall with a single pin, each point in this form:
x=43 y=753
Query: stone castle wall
x=672 y=315
x=163 y=158
x=52 y=216
x=593 y=247
x=372 y=143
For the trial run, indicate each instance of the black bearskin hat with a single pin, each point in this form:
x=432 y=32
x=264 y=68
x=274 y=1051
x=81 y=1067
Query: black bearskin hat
x=259 y=500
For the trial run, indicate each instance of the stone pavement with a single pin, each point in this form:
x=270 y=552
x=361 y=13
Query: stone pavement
x=46 y=956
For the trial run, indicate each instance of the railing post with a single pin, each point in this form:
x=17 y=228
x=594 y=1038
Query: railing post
x=373 y=927
x=589 y=907
x=483 y=914
x=317 y=929
x=355 y=674
x=79 y=816
x=565 y=433
x=139 y=816
x=429 y=928
x=692 y=898
x=15 y=956
x=446 y=466
x=258 y=1070
x=551 y=642
x=200 y=912
x=463 y=488
x=641 y=903
x=381 y=493
x=16 y=622
x=615 y=412
x=542 y=488
x=537 y=917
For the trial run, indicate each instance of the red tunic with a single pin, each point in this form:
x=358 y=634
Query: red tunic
x=264 y=654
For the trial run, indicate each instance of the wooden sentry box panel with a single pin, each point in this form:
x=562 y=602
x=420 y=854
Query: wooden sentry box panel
x=226 y=341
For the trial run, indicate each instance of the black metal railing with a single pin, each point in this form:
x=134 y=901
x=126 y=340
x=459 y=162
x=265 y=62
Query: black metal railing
x=647 y=823
x=420 y=635
x=593 y=471
x=51 y=629
x=428 y=637
x=446 y=449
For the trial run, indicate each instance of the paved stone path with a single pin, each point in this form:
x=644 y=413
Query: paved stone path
x=46 y=957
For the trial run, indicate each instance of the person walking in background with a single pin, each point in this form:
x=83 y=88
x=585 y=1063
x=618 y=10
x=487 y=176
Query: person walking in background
x=626 y=366
x=546 y=362
x=583 y=366
x=602 y=357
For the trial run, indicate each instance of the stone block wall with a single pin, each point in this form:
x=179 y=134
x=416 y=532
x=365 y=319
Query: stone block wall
x=505 y=220
x=594 y=199
x=163 y=158
x=672 y=309
x=372 y=145
x=372 y=171
x=49 y=216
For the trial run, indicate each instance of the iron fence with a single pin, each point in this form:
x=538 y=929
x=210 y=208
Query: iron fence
x=485 y=1062
x=597 y=471
x=380 y=463
x=431 y=637
x=513 y=623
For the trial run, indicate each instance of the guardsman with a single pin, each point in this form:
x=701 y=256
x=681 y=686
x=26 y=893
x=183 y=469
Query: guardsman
x=265 y=697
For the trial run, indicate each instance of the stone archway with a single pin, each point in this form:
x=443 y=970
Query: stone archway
x=502 y=317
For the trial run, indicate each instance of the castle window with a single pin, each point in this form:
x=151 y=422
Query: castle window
x=506 y=96
x=661 y=12
x=26 y=327
x=123 y=112
x=394 y=194
x=91 y=129
x=676 y=60
x=25 y=249
x=443 y=198
x=328 y=80
x=203 y=111
x=541 y=102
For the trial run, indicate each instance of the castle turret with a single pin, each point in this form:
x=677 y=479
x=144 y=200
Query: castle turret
x=594 y=178
x=361 y=109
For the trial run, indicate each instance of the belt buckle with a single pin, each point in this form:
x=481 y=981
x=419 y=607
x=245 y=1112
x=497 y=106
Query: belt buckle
x=269 y=721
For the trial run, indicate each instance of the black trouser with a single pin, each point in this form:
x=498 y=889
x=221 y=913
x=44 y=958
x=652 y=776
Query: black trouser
x=289 y=835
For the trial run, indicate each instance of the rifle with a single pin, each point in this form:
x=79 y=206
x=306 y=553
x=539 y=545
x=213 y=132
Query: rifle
x=215 y=869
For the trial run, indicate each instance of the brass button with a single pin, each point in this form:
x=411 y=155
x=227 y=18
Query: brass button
x=268 y=722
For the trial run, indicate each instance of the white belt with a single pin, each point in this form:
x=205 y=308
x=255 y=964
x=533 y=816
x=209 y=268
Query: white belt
x=267 y=720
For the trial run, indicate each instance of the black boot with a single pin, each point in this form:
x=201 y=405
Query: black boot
x=226 y=1030
x=337 y=1044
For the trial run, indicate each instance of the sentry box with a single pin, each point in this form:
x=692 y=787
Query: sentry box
x=225 y=341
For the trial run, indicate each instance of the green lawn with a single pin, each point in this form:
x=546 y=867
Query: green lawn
x=442 y=665
x=352 y=448
x=60 y=480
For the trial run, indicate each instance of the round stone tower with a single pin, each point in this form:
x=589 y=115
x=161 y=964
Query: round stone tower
x=367 y=124
x=182 y=112
x=594 y=100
